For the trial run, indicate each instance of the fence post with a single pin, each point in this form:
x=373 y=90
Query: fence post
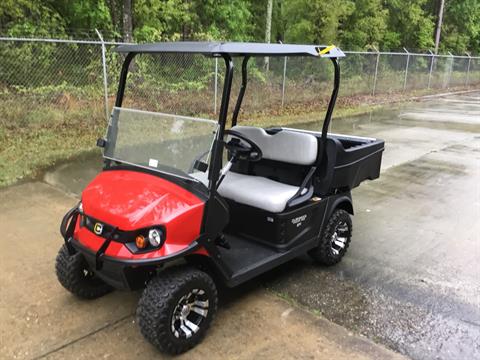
x=451 y=69
x=468 y=68
x=284 y=79
x=216 y=86
x=432 y=55
x=406 y=70
x=376 y=71
x=105 y=81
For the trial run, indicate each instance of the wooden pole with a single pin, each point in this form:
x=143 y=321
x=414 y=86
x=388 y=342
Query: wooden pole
x=438 y=29
x=268 y=29
x=127 y=21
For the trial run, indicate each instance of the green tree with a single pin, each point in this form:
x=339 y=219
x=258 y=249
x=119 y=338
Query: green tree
x=192 y=20
x=365 y=26
x=160 y=20
x=224 y=19
x=461 y=28
x=83 y=16
x=30 y=18
x=315 y=21
x=411 y=25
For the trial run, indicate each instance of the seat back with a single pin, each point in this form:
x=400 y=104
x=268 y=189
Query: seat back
x=284 y=146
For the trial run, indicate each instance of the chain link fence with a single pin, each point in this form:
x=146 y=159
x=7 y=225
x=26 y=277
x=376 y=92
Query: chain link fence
x=40 y=77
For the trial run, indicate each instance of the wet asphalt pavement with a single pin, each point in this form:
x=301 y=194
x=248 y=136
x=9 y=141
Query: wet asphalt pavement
x=411 y=277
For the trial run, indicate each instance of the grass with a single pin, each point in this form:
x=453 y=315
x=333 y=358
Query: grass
x=36 y=133
x=33 y=138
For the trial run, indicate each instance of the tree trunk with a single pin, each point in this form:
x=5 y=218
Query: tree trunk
x=127 y=20
x=268 y=29
x=113 y=5
x=438 y=29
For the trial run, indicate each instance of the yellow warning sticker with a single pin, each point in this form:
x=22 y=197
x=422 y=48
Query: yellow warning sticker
x=326 y=50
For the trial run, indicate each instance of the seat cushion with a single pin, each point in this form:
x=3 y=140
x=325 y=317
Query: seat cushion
x=288 y=146
x=255 y=191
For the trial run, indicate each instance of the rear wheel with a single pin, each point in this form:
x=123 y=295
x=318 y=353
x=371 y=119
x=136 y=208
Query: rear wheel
x=176 y=309
x=75 y=276
x=335 y=239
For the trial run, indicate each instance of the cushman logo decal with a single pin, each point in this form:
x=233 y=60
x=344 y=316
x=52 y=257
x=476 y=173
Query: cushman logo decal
x=298 y=220
x=98 y=228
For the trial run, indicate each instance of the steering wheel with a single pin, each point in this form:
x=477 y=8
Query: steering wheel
x=239 y=150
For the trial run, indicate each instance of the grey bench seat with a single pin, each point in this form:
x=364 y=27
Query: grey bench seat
x=261 y=192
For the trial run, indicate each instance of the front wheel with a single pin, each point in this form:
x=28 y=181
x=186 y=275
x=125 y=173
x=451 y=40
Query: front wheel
x=176 y=309
x=334 y=240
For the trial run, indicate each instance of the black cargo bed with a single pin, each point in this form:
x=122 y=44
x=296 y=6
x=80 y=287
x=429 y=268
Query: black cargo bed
x=355 y=159
x=350 y=160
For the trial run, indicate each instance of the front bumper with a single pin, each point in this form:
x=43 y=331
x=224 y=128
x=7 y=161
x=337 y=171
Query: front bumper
x=127 y=274
x=118 y=274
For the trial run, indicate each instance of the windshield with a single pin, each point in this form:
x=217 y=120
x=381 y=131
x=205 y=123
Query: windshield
x=160 y=142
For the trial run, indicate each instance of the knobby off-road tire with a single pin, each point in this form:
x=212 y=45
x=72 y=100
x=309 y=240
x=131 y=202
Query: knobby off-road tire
x=178 y=296
x=334 y=240
x=75 y=276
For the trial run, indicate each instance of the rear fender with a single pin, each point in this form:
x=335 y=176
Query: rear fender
x=341 y=201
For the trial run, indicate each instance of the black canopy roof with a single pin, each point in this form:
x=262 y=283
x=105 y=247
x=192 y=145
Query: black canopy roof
x=233 y=49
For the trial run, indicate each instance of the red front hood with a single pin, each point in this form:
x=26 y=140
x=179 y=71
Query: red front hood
x=131 y=200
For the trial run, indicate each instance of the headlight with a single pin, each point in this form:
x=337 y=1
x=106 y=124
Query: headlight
x=80 y=208
x=155 y=237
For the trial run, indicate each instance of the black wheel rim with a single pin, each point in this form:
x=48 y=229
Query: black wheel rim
x=339 y=238
x=189 y=314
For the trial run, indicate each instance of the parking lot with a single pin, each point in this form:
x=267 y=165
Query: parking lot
x=409 y=285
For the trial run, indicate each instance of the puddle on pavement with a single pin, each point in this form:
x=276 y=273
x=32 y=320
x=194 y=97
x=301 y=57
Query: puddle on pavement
x=72 y=177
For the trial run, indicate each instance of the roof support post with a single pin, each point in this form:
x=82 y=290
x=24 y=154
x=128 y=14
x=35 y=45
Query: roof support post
x=217 y=149
x=331 y=105
x=241 y=93
x=215 y=90
x=123 y=78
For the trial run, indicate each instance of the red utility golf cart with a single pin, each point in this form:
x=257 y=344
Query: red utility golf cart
x=183 y=200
